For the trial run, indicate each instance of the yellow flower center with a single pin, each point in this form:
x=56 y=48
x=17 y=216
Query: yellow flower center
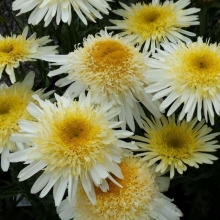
x=111 y=66
x=4 y=109
x=112 y=53
x=13 y=49
x=129 y=202
x=151 y=21
x=76 y=138
x=198 y=68
x=78 y=135
x=13 y=103
x=173 y=141
x=7 y=49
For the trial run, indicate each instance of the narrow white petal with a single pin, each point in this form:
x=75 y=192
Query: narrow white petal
x=48 y=187
x=4 y=159
x=41 y=182
x=60 y=191
x=19 y=156
x=31 y=169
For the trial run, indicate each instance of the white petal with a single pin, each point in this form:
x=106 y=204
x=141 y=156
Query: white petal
x=4 y=159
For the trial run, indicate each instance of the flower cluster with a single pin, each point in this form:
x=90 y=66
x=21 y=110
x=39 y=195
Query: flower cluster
x=116 y=123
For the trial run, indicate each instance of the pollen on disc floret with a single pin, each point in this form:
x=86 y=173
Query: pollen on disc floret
x=113 y=71
x=189 y=75
x=16 y=49
x=13 y=103
x=72 y=141
x=175 y=144
x=139 y=198
x=155 y=23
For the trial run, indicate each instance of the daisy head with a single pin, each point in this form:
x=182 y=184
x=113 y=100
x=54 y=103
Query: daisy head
x=15 y=49
x=71 y=140
x=62 y=10
x=189 y=75
x=154 y=23
x=112 y=70
x=176 y=144
x=13 y=103
x=139 y=198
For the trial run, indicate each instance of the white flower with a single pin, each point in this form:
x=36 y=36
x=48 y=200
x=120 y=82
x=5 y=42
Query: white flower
x=155 y=23
x=13 y=103
x=113 y=71
x=176 y=144
x=71 y=140
x=62 y=10
x=189 y=75
x=16 y=49
x=139 y=198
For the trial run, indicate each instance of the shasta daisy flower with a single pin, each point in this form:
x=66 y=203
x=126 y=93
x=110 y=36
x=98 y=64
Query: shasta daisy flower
x=13 y=103
x=16 y=49
x=155 y=23
x=139 y=198
x=189 y=75
x=71 y=140
x=48 y=9
x=176 y=144
x=112 y=70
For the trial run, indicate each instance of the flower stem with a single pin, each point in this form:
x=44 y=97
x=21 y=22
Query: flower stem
x=203 y=20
